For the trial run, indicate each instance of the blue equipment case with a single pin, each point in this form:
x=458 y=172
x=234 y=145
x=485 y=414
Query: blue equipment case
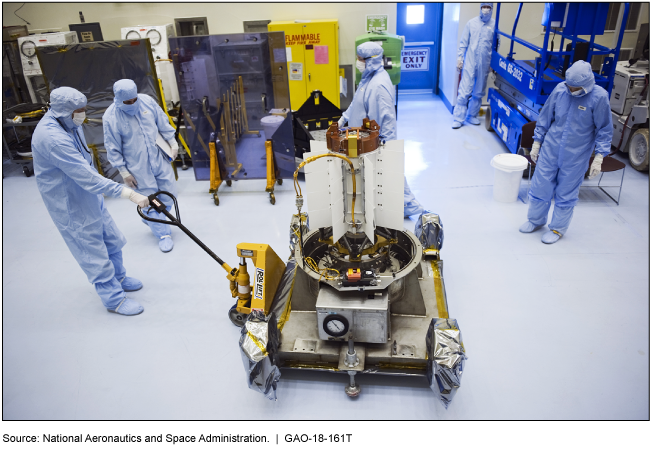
x=524 y=85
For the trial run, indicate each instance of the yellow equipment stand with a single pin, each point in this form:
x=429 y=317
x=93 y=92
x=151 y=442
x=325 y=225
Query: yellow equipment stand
x=234 y=124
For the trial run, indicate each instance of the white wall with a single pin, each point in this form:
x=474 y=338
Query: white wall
x=448 y=79
x=223 y=18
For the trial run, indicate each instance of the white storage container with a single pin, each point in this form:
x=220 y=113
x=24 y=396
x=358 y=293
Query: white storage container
x=508 y=171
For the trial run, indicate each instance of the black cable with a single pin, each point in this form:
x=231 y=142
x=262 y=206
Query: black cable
x=549 y=58
x=19 y=16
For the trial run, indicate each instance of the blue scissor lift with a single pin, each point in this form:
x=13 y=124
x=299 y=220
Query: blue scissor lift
x=522 y=86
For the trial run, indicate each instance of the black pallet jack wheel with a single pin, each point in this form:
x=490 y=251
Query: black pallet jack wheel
x=236 y=317
x=272 y=198
x=216 y=199
x=228 y=182
x=279 y=182
x=27 y=171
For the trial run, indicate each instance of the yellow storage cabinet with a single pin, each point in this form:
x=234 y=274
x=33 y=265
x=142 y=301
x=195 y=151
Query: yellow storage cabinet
x=312 y=59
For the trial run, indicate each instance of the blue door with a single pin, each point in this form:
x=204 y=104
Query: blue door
x=421 y=26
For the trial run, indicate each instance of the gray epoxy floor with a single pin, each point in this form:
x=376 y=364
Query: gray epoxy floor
x=552 y=332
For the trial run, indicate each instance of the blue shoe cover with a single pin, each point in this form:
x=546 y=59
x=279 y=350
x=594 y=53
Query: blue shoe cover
x=131 y=284
x=166 y=243
x=472 y=120
x=529 y=227
x=128 y=307
x=456 y=125
x=551 y=237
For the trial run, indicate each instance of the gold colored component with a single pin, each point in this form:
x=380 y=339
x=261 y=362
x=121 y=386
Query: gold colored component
x=31 y=114
x=381 y=242
x=338 y=143
x=98 y=163
x=268 y=273
x=440 y=292
x=270 y=166
x=303 y=365
x=401 y=366
x=324 y=272
x=352 y=144
x=215 y=173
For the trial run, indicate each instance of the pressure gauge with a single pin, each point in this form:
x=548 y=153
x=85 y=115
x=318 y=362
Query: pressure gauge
x=154 y=36
x=133 y=35
x=336 y=325
x=28 y=48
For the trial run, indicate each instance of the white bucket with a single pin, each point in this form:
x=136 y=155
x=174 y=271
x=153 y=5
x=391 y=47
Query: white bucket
x=509 y=168
x=270 y=123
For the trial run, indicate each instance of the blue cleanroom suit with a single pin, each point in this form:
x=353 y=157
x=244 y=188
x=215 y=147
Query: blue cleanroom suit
x=474 y=53
x=375 y=99
x=130 y=133
x=569 y=127
x=72 y=192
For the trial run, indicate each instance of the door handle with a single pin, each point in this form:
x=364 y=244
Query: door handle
x=309 y=76
x=264 y=103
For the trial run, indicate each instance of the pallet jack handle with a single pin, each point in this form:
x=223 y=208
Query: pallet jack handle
x=160 y=207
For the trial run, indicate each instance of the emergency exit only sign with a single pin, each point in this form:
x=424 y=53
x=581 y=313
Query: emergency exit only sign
x=414 y=59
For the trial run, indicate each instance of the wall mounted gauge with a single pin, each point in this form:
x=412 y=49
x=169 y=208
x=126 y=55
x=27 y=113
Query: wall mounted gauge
x=154 y=36
x=133 y=35
x=28 y=48
x=336 y=325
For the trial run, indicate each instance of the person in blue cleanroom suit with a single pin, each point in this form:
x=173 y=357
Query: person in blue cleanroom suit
x=575 y=119
x=131 y=125
x=72 y=192
x=474 y=53
x=375 y=99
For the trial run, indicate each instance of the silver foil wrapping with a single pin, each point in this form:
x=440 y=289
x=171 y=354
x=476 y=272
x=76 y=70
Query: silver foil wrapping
x=445 y=358
x=258 y=344
x=295 y=229
x=428 y=230
x=281 y=305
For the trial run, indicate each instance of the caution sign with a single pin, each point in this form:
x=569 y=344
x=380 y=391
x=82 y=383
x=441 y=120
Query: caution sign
x=414 y=59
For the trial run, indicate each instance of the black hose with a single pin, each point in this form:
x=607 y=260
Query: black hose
x=158 y=206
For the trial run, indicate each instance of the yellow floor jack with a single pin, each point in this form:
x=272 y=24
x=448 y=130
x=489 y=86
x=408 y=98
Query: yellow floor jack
x=266 y=277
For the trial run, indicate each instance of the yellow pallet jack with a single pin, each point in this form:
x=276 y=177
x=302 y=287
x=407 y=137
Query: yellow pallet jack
x=268 y=266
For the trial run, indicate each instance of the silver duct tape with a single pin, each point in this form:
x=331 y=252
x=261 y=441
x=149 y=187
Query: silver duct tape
x=295 y=229
x=258 y=346
x=445 y=358
x=429 y=231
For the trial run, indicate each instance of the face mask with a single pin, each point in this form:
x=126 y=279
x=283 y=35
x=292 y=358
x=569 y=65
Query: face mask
x=130 y=109
x=577 y=92
x=78 y=118
x=361 y=65
x=486 y=11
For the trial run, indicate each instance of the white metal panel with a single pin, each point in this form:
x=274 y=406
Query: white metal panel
x=369 y=195
x=389 y=182
x=336 y=195
x=317 y=190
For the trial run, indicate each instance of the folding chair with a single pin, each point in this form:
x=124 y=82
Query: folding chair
x=610 y=165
